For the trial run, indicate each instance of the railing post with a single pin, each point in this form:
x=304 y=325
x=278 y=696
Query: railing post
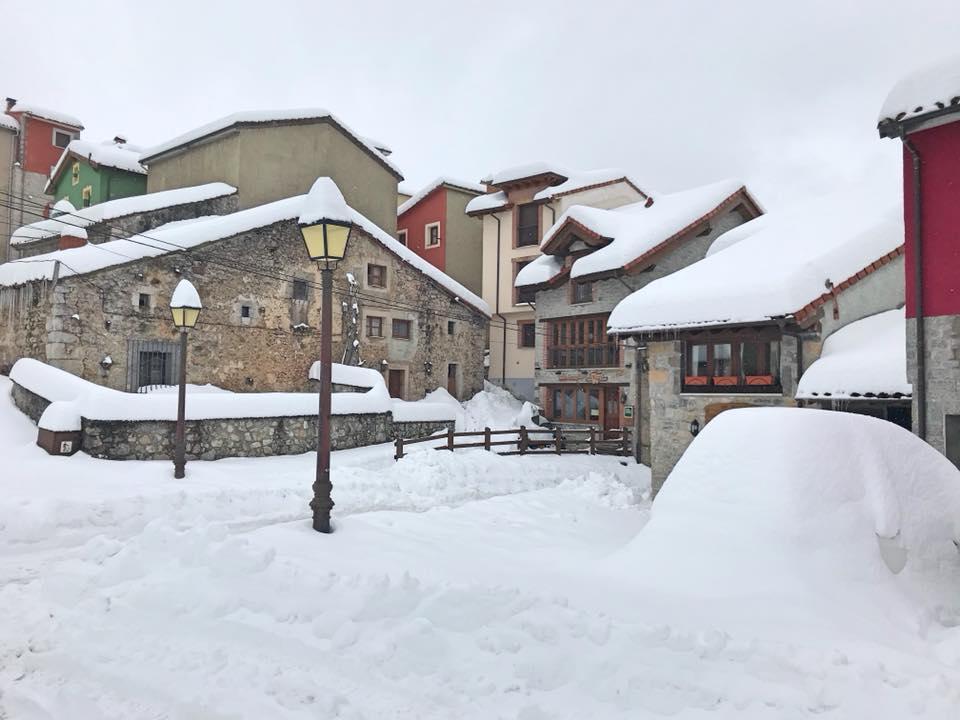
x=399 y=444
x=625 y=442
x=524 y=440
x=556 y=436
x=486 y=439
x=593 y=440
x=450 y=439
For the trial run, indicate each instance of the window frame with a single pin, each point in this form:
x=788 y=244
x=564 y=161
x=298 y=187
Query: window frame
x=451 y=327
x=520 y=293
x=370 y=268
x=75 y=173
x=522 y=327
x=574 y=286
x=404 y=322
x=569 y=345
x=570 y=391
x=60 y=131
x=402 y=237
x=144 y=306
x=528 y=239
x=427 y=244
x=368 y=322
x=301 y=283
x=767 y=379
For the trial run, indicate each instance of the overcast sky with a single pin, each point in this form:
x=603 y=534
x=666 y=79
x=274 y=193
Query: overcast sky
x=677 y=92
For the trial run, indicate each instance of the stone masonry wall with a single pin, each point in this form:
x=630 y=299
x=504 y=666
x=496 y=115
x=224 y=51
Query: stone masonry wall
x=29 y=403
x=942 y=358
x=87 y=318
x=672 y=411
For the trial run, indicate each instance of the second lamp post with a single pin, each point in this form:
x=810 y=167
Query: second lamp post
x=185 y=307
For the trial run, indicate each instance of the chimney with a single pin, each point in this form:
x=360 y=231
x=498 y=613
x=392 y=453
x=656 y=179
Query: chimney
x=119 y=140
x=66 y=242
x=10 y=103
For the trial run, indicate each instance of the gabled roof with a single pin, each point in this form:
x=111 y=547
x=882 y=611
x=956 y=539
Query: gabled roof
x=106 y=154
x=113 y=209
x=865 y=359
x=928 y=92
x=575 y=182
x=462 y=185
x=623 y=238
x=786 y=270
x=519 y=173
x=43 y=113
x=253 y=118
x=185 y=235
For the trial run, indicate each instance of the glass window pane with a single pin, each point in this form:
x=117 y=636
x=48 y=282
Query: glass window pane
x=722 y=359
x=556 y=402
x=698 y=360
x=581 y=405
x=594 y=404
x=775 y=359
x=567 y=403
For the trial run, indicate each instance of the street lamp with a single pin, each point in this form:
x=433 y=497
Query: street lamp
x=694 y=427
x=185 y=307
x=325 y=222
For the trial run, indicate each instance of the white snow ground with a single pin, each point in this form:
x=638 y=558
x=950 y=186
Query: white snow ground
x=455 y=586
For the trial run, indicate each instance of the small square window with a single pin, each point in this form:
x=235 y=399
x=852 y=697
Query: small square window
x=401 y=329
x=299 y=289
x=143 y=301
x=61 y=139
x=402 y=237
x=377 y=276
x=431 y=235
x=86 y=195
x=374 y=326
x=245 y=311
x=451 y=327
x=582 y=292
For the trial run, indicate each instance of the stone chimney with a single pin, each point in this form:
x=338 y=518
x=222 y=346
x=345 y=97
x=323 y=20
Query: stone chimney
x=10 y=103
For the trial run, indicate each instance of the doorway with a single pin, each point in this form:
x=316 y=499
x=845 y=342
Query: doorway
x=611 y=409
x=951 y=427
x=452 y=384
x=396 y=379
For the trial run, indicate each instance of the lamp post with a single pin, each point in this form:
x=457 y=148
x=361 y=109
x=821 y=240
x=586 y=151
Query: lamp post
x=325 y=223
x=185 y=308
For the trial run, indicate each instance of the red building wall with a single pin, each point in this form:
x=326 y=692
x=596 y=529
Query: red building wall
x=939 y=150
x=433 y=208
x=39 y=154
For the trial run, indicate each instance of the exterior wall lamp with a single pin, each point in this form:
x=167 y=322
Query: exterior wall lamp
x=694 y=427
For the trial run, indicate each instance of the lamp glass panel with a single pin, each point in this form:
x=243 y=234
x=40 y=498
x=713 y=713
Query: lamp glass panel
x=177 y=316
x=337 y=241
x=190 y=316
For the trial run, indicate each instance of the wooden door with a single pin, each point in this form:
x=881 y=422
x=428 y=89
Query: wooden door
x=611 y=408
x=395 y=382
x=452 y=379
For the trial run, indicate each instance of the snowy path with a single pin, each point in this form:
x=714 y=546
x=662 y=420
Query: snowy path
x=456 y=586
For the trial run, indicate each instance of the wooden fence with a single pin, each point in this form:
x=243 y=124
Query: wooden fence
x=528 y=441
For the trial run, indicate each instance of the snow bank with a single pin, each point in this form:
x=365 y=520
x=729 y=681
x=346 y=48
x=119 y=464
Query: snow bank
x=773 y=273
x=749 y=512
x=430 y=187
x=349 y=375
x=867 y=358
x=923 y=91
x=113 y=209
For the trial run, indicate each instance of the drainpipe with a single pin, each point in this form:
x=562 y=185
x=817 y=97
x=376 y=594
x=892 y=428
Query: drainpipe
x=921 y=387
x=553 y=213
x=503 y=362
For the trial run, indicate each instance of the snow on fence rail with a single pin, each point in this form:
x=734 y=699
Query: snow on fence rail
x=556 y=440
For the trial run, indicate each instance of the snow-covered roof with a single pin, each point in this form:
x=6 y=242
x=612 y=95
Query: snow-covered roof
x=867 y=358
x=575 y=182
x=185 y=235
x=47 y=114
x=740 y=232
x=633 y=230
x=926 y=90
x=830 y=240
x=9 y=123
x=253 y=117
x=527 y=170
x=113 y=209
x=464 y=185
x=539 y=270
x=109 y=154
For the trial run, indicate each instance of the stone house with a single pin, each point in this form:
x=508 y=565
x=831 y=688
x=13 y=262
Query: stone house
x=434 y=225
x=520 y=205
x=69 y=227
x=274 y=154
x=90 y=173
x=32 y=138
x=100 y=311
x=923 y=111
x=592 y=259
x=740 y=327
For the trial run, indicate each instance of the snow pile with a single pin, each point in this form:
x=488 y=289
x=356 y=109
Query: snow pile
x=773 y=273
x=47 y=114
x=349 y=375
x=9 y=123
x=923 y=91
x=740 y=232
x=867 y=358
x=750 y=514
x=185 y=295
x=256 y=117
x=417 y=198
x=113 y=209
x=633 y=230
x=575 y=182
x=324 y=202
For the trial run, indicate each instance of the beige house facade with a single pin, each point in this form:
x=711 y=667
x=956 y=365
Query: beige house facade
x=270 y=155
x=520 y=207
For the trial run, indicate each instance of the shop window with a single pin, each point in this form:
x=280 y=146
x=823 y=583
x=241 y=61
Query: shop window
x=732 y=365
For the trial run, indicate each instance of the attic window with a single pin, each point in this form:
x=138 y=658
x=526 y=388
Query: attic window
x=402 y=237
x=582 y=292
x=61 y=139
x=75 y=173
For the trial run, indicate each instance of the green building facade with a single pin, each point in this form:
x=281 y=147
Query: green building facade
x=88 y=179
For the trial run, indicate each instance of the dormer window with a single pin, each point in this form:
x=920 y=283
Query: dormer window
x=582 y=292
x=61 y=138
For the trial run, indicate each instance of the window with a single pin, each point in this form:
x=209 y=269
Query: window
x=61 y=139
x=86 y=194
x=143 y=301
x=299 y=289
x=377 y=276
x=245 y=311
x=524 y=294
x=374 y=326
x=575 y=403
x=582 y=292
x=154 y=368
x=75 y=173
x=431 y=235
x=451 y=327
x=748 y=364
x=528 y=225
x=402 y=237
x=527 y=332
x=401 y=329
x=581 y=343
x=453 y=385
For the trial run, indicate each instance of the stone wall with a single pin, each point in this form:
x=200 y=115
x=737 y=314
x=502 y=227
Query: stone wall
x=29 y=403
x=87 y=318
x=942 y=357
x=672 y=411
